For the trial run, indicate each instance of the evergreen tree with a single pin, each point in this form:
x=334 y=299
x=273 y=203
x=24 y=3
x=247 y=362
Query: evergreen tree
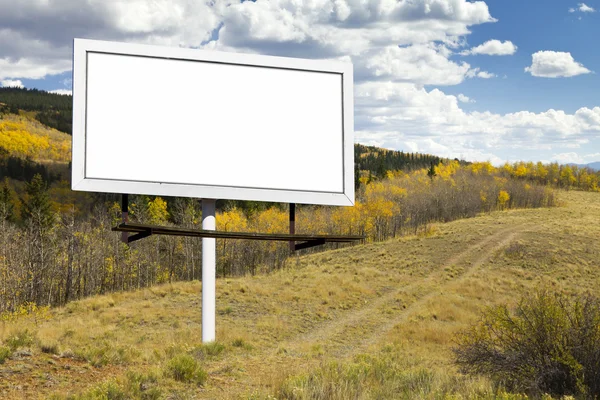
x=6 y=204
x=39 y=220
x=37 y=209
x=431 y=172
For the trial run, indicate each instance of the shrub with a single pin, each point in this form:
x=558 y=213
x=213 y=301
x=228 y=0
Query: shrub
x=109 y=390
x=185 y=368
x=142 y=386
x=239 y=342
x=550 y=344
x=209 y=350
x=4 y=354
x=20 y=338
x=49 y=347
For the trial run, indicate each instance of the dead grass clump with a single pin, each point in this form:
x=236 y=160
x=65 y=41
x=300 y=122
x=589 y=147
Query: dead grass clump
x=49 y=347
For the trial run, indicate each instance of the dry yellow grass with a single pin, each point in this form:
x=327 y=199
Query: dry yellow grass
x=364 y=321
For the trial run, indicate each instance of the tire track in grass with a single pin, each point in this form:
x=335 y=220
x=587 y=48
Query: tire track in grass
x=512 y=234
x=354 y=331
x=340 y=329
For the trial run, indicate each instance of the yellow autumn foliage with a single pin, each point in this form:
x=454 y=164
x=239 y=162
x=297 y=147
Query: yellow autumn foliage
x=503 y=198
x=157 y=210
x=24 y=137
x=233 y=220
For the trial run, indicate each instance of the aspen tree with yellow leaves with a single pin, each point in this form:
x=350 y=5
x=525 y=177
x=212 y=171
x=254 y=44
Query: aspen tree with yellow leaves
x=85 y=258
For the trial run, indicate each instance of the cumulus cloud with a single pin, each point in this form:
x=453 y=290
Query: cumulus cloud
x=478 y=73
x=464 y=99
x=399 y=50
x=62 y=91
x=392 y=114
x=36 y=36
x=493 y=48
x=582 y=7
x=422 y=64
x=11 y=83
x=574 y=158
x=35 y=41
x=555 y=64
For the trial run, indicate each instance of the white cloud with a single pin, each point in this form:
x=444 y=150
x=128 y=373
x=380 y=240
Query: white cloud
x=422 y=64
x=477 y=73
x=555 y=64
x=585 y=8
x=35 y=41
x=62 y=91
x=493 y=48
x=398 y=49
x=485 y=75
x=392 y=114
x=36 y=35
x=582 y=7
x=574 y=158
x=464 y=99
x=11 y=83
x=566 y=158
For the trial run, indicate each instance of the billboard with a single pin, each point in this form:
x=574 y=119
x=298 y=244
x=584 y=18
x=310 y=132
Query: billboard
x=195 y=123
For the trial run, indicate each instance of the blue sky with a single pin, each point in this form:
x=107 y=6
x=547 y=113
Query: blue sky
x=446 y=77
x=535 y=26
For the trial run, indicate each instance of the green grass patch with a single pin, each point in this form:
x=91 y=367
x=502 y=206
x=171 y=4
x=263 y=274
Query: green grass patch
x=5 y=352
x=185 y=368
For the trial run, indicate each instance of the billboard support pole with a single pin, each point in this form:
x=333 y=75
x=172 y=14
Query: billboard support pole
x=292 y=226
x=125 y=216
x=209 y=257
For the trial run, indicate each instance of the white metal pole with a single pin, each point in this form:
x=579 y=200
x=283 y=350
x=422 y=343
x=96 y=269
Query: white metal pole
x=209 y=256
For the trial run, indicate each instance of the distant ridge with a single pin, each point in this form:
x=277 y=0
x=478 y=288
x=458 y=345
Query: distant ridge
x=593 y=165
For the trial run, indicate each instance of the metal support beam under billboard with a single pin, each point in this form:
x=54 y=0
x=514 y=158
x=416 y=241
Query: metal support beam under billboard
x=209 y=256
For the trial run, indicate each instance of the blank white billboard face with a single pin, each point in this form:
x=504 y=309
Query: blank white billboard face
x=181 y=122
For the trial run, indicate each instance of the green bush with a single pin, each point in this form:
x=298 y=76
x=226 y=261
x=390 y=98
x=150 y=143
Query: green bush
x=185 y=368
x=550 y=344
x=108 y=390
x=239 y=342
x=4 y=354
x=209 y=350
x=142 y=386
x=20 y=338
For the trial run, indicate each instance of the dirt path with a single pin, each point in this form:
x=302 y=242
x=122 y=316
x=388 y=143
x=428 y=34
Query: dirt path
x=356 y=330
x=487 y=251
x=338 y=333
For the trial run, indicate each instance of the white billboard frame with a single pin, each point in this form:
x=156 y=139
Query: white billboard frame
x=342 y=195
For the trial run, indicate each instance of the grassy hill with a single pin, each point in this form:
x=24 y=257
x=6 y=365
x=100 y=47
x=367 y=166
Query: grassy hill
x=371 y=321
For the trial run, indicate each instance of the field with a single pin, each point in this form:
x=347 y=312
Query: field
x=370 y=321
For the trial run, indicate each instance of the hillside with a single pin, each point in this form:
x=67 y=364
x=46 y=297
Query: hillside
x=28 y=147
x=371 y=321
x=24 y=137
x=53 y=110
